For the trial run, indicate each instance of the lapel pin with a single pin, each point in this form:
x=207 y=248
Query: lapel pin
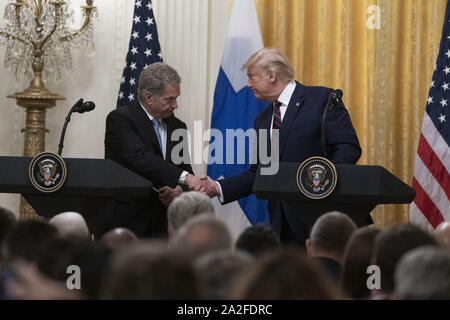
x=297 y=104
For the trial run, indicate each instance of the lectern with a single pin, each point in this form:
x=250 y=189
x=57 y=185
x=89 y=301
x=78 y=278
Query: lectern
x=89 y=187
x=358 y=191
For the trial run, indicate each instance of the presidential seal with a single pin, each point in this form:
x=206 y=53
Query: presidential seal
x=47 y=172
x=316 y=177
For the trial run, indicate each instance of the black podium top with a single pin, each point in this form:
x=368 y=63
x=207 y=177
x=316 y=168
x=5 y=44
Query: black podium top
x=90 y=185
x=356 y=184
x=85 y=177
x=358 y=190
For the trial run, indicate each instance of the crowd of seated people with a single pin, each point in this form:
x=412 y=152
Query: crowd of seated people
x=200 y=260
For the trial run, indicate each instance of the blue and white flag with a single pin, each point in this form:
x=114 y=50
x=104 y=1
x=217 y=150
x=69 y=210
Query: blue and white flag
x=235 y=106
x=143 y=50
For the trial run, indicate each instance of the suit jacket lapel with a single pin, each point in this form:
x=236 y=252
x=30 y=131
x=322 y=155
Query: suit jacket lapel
x=144 y=125
x=291 y=113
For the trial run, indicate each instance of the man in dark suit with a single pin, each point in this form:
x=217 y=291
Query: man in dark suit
x=296 y=112
x=138 y=137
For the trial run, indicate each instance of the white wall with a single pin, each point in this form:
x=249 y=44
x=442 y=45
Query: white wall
x=192 y=35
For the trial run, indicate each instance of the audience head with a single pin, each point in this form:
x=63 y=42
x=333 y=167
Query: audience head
x=357 y=257
x=284 y=274
x=424 y=273
x=27 y=240
x=258 y=240
x=7 y=223
x=329 y=235
x=185 y=206
x=117 y=238
x=147 y=270
x=202 y=234
x=442 y=234
x=218 y=270
x=392 y=244
x=70 y=224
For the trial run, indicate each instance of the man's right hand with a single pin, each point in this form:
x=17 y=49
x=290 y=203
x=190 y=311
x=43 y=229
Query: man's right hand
x=203 y=184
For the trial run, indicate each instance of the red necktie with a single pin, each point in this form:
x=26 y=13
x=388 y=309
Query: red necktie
x=276 y=125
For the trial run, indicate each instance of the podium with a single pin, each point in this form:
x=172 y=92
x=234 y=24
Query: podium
x=358 y=191
x=89 y=187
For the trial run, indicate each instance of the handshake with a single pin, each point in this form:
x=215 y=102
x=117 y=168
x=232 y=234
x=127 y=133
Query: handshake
x=204 y=184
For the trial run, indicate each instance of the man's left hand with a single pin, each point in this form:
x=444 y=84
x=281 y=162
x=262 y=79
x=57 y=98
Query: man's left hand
x=167 y=194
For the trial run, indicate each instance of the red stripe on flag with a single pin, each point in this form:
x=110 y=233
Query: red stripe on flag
x=426 y=205
x=434 y=165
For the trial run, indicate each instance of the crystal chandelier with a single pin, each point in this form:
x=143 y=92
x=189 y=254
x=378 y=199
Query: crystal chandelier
x=38 y=37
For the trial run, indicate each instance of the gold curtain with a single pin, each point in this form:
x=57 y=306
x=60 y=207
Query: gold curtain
x=385 y=73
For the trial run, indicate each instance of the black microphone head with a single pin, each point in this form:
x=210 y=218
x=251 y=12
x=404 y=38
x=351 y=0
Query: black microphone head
x=336 y=96
x=84 y=107
x=88 y=106
x=339 y=93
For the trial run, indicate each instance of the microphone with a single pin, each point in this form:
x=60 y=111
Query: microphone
x=334 y=98
x=80 y=107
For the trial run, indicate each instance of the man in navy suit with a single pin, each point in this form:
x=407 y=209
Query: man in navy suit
x=296 y=111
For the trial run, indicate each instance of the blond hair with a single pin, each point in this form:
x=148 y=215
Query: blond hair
x=272 y=60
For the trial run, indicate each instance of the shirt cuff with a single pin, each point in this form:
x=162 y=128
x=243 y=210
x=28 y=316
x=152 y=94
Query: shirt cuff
x=182 y=178
x=220 y=196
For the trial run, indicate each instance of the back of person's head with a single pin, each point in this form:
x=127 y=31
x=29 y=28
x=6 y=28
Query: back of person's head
x=70 y=224
x=202 y=234
x=185 y=206
x=147 y=270
x=92 y=258
x=442 y=234
x=56 y=256
x=117 y=238
x=61 y=256
x=7 y=223
x=424 y=273
x=392 y=244
x=330 y=234
x=357 y=257
x=258 y=240
x=284 y=274
x=218 y=270
x=27 y=240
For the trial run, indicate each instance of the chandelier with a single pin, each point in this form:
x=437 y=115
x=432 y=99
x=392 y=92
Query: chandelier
x=38 y=36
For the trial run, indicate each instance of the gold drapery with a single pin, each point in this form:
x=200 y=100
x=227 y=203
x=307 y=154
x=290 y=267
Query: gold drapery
x=385 y=73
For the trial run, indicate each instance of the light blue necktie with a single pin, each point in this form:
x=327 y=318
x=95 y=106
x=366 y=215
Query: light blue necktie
x=156 y=126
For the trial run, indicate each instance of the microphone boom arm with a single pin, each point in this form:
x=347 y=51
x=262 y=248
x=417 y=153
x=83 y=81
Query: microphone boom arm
x=66 y=122
x=333 y=99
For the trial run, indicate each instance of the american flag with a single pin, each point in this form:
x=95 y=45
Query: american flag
x=143 y=50
x=431 y=179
